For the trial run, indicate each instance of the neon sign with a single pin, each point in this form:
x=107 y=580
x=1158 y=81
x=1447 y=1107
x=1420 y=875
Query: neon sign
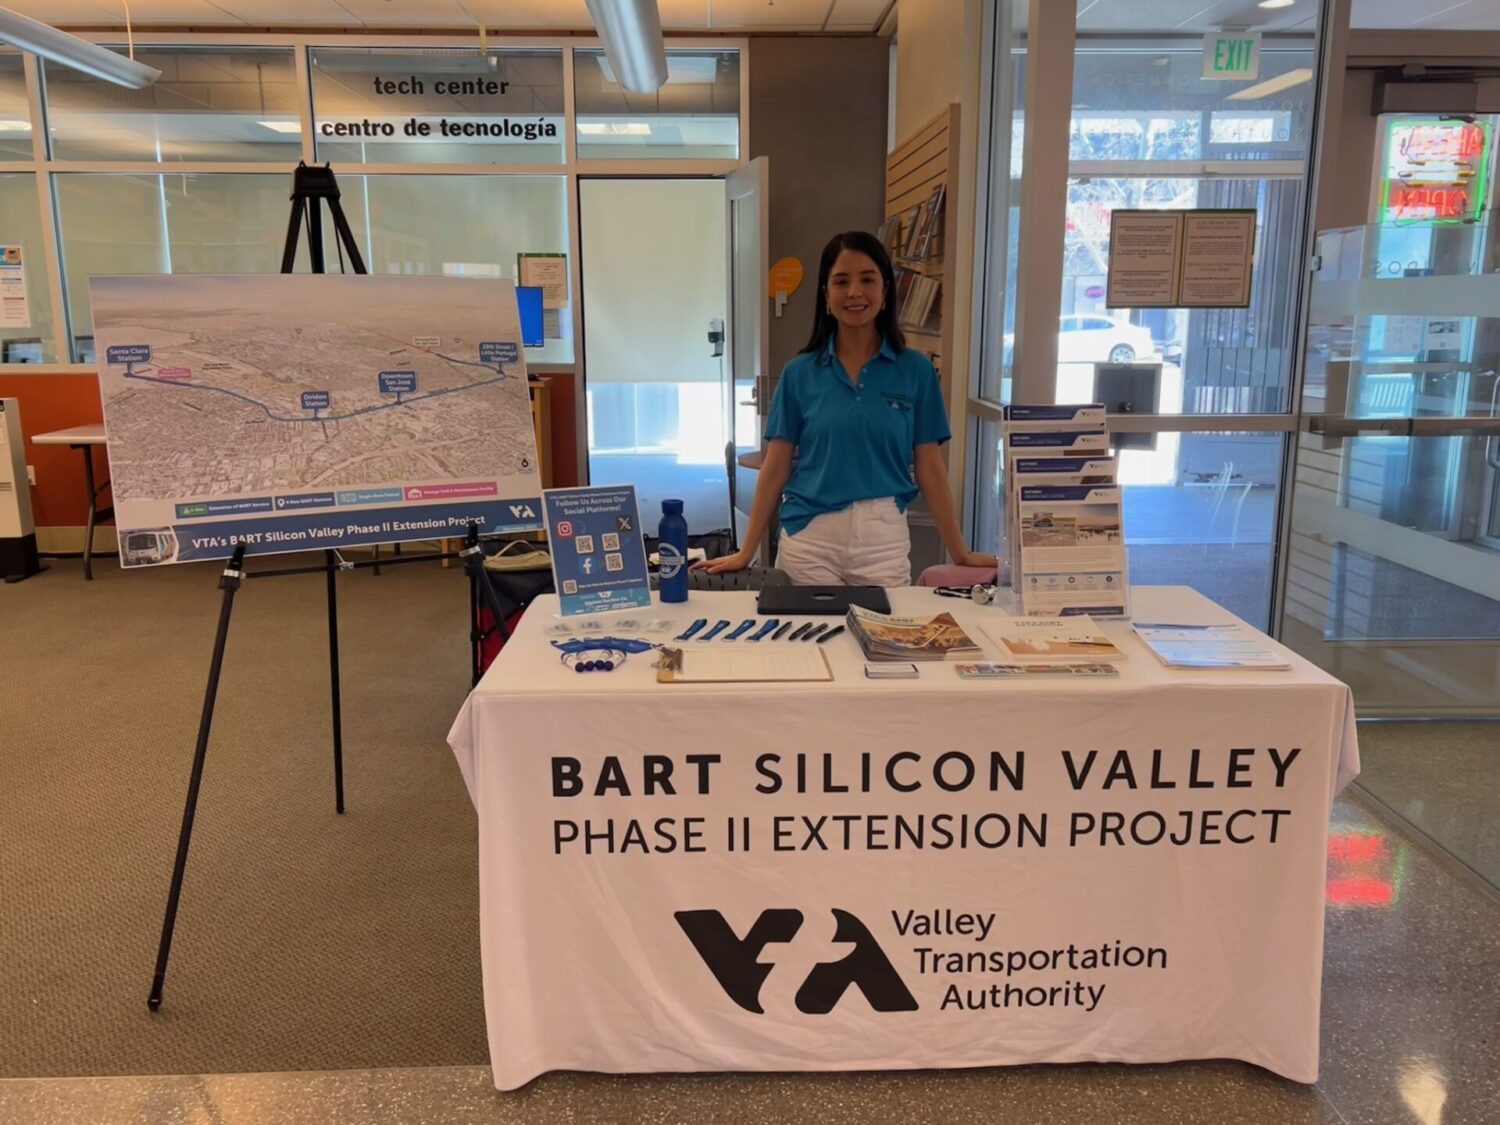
x=1434 y=170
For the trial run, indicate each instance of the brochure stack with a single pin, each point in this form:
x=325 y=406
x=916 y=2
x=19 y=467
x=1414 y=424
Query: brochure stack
x=1063 y=529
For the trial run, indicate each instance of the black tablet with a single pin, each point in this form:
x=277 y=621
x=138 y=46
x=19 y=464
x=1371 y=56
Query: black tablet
x=789 y=600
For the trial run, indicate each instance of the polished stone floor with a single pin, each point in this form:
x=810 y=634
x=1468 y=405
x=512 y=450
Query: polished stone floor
x=1445 y=779
x=1411 y=1035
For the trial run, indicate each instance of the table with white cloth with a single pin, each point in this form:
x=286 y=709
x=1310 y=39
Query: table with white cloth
x=904 y=874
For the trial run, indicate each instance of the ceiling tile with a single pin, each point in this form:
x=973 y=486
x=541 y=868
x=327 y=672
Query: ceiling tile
x=743 y=15
x=61 y=13
x=278 y=13
x=857 y=15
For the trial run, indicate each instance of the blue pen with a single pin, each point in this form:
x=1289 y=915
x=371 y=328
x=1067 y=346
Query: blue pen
x=719 y=627
x=740 y=629
x=687 y=634
x=763 y=631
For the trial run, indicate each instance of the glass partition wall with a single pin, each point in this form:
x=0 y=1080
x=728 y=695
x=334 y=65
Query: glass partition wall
x=452 y=159
x=1324 y=462
x=1145 y=129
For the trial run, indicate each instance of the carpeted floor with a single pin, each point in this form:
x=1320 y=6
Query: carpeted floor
x=306 y=940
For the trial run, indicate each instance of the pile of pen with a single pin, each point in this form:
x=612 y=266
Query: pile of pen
x=772 y=630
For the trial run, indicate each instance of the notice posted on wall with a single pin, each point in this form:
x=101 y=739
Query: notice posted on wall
x=1144 y=256
x=1218 y=248
x=305 y=412
x=549 y=273
x=1200 y=259
x=15 y=309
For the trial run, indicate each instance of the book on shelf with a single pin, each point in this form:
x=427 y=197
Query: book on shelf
x=1052 y=640
x=916 y=307
x=934 y=221
x=883 y=637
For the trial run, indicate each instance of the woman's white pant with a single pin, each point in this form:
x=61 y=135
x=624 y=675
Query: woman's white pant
x=865 y=544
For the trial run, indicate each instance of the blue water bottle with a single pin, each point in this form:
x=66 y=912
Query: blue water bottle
x=673 y=551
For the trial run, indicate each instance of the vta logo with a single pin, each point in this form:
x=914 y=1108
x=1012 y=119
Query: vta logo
x=735 y=964
x=522 y=511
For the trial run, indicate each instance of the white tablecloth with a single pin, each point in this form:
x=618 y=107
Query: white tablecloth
x=1132 y=871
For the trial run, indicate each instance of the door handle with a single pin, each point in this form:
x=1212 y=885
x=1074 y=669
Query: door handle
x=1326 y=425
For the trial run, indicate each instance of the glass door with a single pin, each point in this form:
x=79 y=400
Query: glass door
x=655 y=268
x=746 y=398
x=1392 y=567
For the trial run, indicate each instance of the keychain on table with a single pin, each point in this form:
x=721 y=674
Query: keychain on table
x=764 y=631
x=598 y=654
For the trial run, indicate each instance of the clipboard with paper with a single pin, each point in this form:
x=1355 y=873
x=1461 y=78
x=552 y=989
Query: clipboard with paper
x=742 y=666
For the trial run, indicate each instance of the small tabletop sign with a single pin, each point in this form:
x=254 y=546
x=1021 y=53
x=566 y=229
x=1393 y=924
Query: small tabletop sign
x=598 y=556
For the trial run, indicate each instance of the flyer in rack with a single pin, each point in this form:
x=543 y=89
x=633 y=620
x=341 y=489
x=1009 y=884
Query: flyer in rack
x=1071 y=551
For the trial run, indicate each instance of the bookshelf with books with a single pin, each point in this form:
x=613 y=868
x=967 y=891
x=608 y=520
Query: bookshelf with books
x=920 y=176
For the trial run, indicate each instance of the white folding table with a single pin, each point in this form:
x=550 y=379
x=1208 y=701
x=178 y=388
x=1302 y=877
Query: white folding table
x=84 y=438
x=927 y=873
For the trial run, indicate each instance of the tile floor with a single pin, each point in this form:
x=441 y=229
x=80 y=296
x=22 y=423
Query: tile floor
x=1411 y=1035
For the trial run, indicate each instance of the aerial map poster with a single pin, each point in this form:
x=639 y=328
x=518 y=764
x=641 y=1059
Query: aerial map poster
x=296 y=412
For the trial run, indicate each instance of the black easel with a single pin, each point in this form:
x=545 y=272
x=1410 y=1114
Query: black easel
x=309 y=185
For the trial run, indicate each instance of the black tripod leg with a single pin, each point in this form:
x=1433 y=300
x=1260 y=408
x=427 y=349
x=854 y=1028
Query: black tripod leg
x=293 y=232
x=229 y=582
x=333 y=675
x=315 y=234
x=476 y=631
x=345 y=235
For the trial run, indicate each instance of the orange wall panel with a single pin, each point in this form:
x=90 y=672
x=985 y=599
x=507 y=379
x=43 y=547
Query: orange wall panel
x=57 y=402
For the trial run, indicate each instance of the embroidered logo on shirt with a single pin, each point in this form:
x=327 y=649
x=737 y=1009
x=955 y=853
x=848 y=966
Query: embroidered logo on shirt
x=898 y=401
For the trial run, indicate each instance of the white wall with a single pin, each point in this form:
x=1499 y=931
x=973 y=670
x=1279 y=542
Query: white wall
x=654 y=275
x=929 y=55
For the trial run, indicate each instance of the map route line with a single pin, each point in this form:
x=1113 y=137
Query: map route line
x=324 y=417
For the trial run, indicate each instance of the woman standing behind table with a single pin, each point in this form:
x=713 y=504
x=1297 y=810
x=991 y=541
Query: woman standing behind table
x=866 y=419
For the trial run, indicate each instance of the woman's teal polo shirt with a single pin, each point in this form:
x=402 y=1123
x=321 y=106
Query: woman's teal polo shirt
x=854 y=443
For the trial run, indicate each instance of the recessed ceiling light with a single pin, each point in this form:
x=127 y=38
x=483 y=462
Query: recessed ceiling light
x=1277 y=3
x=15 y=126
x=282 y=126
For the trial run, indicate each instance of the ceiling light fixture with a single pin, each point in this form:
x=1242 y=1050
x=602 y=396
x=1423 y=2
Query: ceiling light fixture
x=69 y=50
x=1272 y=85
x=282 y=126
x=1276 y=3
x=631 y=30
x=15 y=126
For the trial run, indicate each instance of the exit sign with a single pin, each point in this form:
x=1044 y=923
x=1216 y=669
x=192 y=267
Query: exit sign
x=1232 y=55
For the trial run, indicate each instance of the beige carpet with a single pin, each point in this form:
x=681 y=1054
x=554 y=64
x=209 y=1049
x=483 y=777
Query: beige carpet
x=306 y=940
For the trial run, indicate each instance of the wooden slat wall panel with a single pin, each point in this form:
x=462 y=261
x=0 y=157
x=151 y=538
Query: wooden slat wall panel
x=919 y=164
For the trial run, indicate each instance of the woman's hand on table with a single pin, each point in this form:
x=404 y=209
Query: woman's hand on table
x=737 y=561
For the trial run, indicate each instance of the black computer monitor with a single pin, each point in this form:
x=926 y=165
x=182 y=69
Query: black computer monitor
x=529 y=305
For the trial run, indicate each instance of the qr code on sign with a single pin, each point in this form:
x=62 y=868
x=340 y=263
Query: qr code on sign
x=585 y=544
x=611 y=541
x=614 y=562
x=570 y=586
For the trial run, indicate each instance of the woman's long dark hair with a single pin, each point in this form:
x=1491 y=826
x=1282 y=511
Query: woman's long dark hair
x=824 y=325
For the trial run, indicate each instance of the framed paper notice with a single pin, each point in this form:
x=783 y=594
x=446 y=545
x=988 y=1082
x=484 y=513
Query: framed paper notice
x=549 y=273
x=1218 y=248
x=1144 y=259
